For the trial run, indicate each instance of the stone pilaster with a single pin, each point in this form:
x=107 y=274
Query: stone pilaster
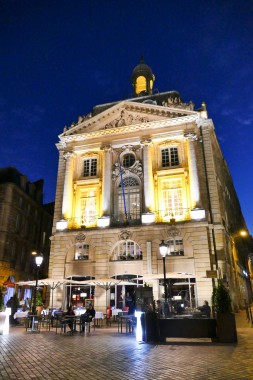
x=68 y=184
x=194 y=181
x=148 y=183
x=106 y=184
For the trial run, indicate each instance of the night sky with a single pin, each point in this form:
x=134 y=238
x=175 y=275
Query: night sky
x=59 y=58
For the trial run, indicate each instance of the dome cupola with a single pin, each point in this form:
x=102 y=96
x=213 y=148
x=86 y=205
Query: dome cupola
x=142 y=79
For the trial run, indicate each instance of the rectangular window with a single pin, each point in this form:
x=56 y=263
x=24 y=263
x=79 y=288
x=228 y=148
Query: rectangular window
x=172 y=198
x=176 y=247
x=90 y=167
x=132 y=199
x=170 y=157
x=82 y=252
x=88 y=208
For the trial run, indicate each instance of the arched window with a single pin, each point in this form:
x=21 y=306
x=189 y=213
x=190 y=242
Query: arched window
x=128 y=199
x=126 y=250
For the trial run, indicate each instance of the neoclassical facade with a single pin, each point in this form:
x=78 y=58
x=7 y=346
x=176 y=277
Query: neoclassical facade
x=136 y=172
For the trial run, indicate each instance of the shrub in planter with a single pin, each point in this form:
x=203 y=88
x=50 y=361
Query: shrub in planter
x=221 y=299
x=39 y=299
x=226 y=327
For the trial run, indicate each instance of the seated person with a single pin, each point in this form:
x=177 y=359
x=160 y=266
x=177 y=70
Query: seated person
x=69 y=313
x=205 y=309
x=87 y=316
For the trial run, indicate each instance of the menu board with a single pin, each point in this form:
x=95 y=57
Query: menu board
x=87 y=302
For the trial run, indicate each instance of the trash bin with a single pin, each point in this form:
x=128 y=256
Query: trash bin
x=150 y=329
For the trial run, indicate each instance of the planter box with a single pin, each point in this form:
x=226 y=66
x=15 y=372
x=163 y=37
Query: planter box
x=226 y=328
x=187 y=328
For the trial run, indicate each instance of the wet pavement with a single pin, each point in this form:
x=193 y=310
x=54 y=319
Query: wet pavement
x=106 y=354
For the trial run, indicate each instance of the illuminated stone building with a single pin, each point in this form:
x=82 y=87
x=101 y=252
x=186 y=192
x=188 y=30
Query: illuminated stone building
x=25 y=226
x=133 y=173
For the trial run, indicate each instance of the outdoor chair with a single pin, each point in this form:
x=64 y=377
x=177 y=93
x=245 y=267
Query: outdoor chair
x=33 y=323
x=46 y=321
x=56 y=321
x=85 y=325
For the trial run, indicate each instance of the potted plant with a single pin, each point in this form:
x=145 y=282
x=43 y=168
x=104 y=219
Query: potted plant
x=226 y=326
x=39 y=303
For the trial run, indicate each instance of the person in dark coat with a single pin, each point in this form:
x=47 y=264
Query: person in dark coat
x=88 y=315
x=205 y=309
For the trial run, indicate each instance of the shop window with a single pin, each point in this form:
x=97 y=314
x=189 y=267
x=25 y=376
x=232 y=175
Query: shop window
x=82 y=251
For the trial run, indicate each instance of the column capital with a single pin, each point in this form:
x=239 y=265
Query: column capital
x=146 y=142
x=190 y=136
x=106 y=148
x=67 y=155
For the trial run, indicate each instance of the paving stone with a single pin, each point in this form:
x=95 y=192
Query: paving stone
x=105 y=354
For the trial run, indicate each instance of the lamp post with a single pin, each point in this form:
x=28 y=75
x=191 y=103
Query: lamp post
x=164 y=251
x=38 y=261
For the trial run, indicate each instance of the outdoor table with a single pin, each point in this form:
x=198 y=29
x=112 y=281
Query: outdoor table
x=115 y=312
x=20 y=314
x=32 y=323
x=98 y=318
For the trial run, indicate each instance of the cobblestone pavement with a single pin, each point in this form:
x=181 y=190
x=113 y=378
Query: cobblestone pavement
x=106 y=354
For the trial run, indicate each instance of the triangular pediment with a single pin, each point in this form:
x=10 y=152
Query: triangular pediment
x=125 y=114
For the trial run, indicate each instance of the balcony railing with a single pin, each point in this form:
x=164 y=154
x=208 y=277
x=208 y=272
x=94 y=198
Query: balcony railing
x=159 y=216
x=127 y=257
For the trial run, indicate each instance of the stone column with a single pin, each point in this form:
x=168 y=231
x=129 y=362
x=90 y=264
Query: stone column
x=148 y=182
x=68 y=184
x=194 y=181
x=106 y=181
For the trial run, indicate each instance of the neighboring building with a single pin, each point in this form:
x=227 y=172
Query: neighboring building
x=25 y=226
x=136 y=172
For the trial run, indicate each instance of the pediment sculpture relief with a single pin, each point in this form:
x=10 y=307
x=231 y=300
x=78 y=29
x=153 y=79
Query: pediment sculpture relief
x=126 y=118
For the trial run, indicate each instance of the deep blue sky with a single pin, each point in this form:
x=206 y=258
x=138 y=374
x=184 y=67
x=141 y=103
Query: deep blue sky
x=59 y=58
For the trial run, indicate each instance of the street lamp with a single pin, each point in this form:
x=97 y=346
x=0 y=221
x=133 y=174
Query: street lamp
x=38 y=261
x=164 y=251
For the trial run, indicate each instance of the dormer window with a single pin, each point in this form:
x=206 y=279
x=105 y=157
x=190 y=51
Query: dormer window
x=90 y=167
x=170 y=157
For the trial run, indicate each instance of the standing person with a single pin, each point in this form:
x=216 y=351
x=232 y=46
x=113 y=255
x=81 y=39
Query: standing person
x=159 y=309
x=120 y=302
x=27 y=303
x=128 y=301
x=10 y=303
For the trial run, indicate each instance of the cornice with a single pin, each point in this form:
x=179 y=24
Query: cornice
x=171 y=111
x=131 y=128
